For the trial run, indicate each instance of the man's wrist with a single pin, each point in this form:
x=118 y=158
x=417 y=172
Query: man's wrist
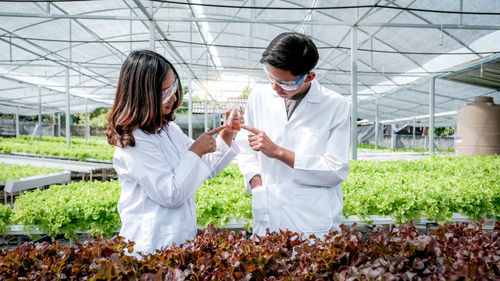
x=278 y=153
x=286 y=156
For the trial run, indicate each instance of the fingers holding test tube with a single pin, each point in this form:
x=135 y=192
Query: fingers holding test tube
x=234 y=119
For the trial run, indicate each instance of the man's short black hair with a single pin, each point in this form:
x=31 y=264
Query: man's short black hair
x=291 y=51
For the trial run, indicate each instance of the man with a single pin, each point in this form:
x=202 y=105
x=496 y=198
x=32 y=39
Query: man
x=295 y=149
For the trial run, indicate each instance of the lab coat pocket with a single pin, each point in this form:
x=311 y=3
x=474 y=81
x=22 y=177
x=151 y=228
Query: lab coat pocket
x=308 y=141
x=310 y=210
x=259 y=205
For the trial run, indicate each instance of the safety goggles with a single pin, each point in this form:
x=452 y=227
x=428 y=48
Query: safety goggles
x=284 y=84
x=169 y=92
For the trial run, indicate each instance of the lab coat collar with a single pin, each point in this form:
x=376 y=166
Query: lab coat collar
x=313 y=94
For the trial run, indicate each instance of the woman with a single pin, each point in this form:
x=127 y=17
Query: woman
x=160 y=168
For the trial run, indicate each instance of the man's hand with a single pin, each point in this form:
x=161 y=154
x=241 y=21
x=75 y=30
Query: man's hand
x=261 y=142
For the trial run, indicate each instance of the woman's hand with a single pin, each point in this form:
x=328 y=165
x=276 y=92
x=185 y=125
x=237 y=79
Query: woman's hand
x=205 y=143
x=232 y=124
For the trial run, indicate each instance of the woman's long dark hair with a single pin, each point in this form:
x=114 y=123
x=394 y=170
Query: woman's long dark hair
x=138 y=98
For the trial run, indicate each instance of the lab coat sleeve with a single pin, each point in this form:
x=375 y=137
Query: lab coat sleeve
x=168 y=187
x=222 y=156
x=248 y=158
x=330 y=168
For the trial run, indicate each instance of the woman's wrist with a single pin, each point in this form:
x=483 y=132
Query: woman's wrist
x=227 y=135
x=195 y=151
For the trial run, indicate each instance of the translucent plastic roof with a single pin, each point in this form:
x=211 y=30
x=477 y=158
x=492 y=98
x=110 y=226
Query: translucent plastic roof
x=216 y=46
x=411 y=101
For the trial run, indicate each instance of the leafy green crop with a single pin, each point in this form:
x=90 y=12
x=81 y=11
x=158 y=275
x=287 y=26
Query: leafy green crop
x=5 y=213
x=224 y=198
x=14 y=172
x=432 y=188
x=66 y=208
x=92 y=205
x=56 y=146
x=460 y=251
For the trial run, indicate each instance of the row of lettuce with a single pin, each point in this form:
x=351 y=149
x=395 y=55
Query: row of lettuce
x=460 y=251
x=15 y=172
x=96 y=148
x=433 y=188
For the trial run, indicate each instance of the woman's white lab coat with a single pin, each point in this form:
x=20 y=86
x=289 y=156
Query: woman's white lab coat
x=159 y=177
x=308 y=197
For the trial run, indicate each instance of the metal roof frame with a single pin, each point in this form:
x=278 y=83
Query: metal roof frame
x=86 y=65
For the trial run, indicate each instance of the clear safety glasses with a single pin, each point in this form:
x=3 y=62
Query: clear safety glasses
x=169 y=92
x=285 y=85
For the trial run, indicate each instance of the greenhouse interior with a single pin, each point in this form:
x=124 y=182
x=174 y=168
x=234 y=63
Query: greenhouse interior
x=414 y=166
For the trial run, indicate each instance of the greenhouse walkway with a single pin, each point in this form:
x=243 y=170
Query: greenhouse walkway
x=381 y=155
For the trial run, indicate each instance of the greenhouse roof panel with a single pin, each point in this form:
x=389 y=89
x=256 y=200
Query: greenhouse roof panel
x=485 y=75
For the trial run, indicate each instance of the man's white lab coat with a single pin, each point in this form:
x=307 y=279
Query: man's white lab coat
x=308 y=197
x=159 y=177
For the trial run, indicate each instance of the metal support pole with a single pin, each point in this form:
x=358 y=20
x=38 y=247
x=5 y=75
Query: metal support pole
x=414 y=127
x=17 y=121
x=376 y=124
x=455 y=134
x=205 y=113
x=39 y=113
x=130 y=31
x=53 y=124
x=190 y=109
x=86 y=120
x=68 y=125
x=59 y=124
x=250 y=39
x=354 y=93
x=190 y=92
x=461 y=15
x=393 y=136
x=152 y=35
x=432 y=92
